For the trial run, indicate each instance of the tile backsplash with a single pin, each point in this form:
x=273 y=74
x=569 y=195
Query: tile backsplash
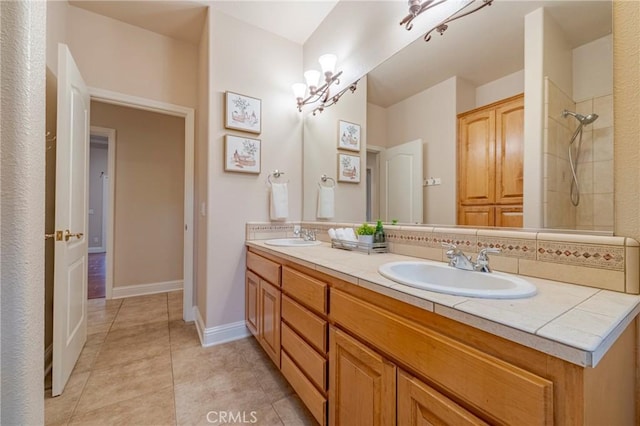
x=606 y=262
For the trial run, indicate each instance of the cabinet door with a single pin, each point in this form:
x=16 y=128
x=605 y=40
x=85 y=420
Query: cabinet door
x=362 y=384
x=509 y=216
x=476 y=158
x=476 y=215
x=421 y=405
x=510 y=152
x=269 y=323
x=251 y=305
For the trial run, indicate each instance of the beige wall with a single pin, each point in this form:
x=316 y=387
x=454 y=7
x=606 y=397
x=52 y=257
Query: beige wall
x=376 y=125
x=321 y=156
x=97 y=169
x=502 y=88
x=250 y=61
x=201 y=173
x=123 y=58
x=149 y=195
x=626 y=98
x=431 y=116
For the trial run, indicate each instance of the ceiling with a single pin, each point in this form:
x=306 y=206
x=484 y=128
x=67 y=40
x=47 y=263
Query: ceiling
x=481 y=47
x=294 y=20
x=478 y=48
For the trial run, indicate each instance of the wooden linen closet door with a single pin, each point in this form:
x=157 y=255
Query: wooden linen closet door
x=510 y=152
x=476 y=154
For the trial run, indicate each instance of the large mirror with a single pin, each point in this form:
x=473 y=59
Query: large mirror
x=557 y=53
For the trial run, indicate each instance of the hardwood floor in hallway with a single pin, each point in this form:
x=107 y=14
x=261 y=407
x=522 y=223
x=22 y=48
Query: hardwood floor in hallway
x=97 y=275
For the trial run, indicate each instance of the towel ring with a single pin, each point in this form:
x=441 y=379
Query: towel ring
x=325 y=178
x=276 y=174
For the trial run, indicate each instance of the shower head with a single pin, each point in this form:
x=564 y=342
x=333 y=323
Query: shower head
x=584 y=120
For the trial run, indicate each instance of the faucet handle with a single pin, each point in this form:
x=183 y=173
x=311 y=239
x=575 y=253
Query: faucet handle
x=483 y=253
x=482 y=261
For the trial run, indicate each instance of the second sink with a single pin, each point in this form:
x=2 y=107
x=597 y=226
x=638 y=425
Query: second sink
x=446 y=279
x=292 y=242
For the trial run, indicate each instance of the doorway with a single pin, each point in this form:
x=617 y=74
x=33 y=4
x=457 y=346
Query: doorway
x=149 y=227
x=101 y=168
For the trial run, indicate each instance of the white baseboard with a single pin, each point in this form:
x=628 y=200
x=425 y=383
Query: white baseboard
x=142 y=289
x=219 y=334
x=97 y=250
x=48 y=359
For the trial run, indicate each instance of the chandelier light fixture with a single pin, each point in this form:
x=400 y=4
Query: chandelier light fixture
x=321 y=95
x=416 y=7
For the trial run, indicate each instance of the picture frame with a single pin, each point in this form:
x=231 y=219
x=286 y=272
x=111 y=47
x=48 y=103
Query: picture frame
x=242 y=113
x=349 y=136
x=348 y=168
x=242 y=154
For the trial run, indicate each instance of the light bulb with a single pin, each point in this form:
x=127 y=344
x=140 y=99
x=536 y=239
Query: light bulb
x=299 y=90
x=328 y=63
x=312 y=77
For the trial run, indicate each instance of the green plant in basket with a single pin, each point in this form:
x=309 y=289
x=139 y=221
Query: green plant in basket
x=365 y=229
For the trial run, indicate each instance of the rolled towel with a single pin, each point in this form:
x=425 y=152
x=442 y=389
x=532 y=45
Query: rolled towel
x=340 y=234
x=332 y=233
x=325 y=202
x=351 y=236
x=279 y=201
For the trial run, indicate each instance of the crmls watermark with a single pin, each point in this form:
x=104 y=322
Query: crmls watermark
x=233 y=417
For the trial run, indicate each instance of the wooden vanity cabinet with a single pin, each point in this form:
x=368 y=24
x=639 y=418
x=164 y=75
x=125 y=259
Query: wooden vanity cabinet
x=262 y=303
x=362 y=386
x=419 y=404
x=358 y=357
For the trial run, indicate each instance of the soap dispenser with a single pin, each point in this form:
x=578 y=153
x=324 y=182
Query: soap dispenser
x=378 y=236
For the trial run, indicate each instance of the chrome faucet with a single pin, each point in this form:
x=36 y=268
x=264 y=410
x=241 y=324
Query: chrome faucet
x=305 y=234
x=459 y=260
x=308 y=235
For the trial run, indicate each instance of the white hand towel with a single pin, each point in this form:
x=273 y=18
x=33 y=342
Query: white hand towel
x=340 y=234
x=279 y=201
x=332 y=233
x=325 y=202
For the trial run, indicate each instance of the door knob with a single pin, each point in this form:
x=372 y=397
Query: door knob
x=68 y=235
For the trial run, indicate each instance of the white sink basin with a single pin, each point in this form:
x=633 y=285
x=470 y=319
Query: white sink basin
x=446 y=279
x=292 y=242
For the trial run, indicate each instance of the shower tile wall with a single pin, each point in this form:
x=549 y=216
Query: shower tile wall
x=559 y=213
x=595 y=163
x=595 y=211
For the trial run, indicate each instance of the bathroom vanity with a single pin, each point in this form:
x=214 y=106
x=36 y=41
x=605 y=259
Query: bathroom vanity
x=359 y=349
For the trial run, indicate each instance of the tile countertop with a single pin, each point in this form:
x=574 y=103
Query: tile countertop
x=575 y=323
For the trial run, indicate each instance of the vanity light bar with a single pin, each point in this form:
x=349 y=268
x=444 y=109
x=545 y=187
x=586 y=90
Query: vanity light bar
x=416 y=7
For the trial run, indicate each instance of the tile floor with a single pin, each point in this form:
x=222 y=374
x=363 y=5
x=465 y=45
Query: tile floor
x=143 y=365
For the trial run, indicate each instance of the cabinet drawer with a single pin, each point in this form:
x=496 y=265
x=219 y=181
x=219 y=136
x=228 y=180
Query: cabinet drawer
x=306 y=290
x=267 y=269
x=309 y=361
x=315 y=402
x=481 y=380
x=306 y=323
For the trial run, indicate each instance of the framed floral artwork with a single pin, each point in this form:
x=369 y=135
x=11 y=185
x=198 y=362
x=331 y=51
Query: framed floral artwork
x=242 y=113
x=348 y=136
x=348 y=168
x=242 y=154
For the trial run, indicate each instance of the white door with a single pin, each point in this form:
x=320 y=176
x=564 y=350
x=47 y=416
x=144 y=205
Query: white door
x=70 y=265
x=401 y=183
